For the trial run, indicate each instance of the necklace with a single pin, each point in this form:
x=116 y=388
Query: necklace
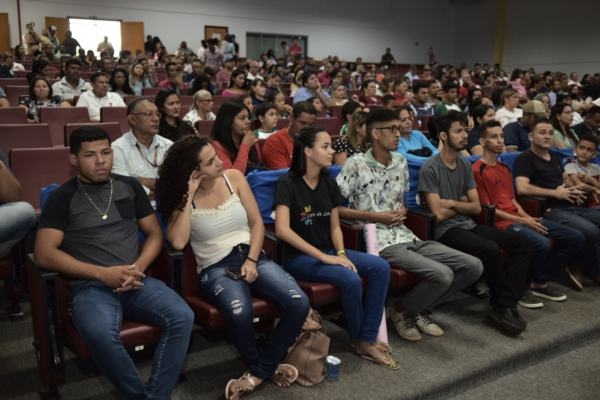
x=103 y=215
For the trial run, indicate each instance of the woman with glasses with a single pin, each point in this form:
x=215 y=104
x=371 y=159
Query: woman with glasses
x=213 y=209
x=307 y=201
x=171 y=125
x=201 y=108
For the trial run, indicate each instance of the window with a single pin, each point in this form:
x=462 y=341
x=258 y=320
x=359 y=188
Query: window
x=90 y=32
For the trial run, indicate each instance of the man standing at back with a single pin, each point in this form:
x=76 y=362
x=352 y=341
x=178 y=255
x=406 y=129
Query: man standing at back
x=277 y=150
x=89 y=232
x=447 y=185
x=141 y=150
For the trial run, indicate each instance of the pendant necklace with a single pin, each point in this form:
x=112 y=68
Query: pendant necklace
x=103 y=215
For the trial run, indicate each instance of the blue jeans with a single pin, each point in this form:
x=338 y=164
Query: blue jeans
x=549 y=258
x=97 y=313
x=586 y=221
x=234 y=299
x=17 y=220
x=363 y=317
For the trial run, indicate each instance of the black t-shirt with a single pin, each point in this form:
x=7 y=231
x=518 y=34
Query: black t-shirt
x=310 y=210
x=88 y=237
x=542 y=173
x=174 y=133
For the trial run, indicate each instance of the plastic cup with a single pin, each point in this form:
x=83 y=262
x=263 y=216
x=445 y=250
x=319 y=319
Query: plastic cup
x=333 y=368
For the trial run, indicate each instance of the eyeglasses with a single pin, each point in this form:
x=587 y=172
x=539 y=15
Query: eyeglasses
x=393 y=128
x=148 y=114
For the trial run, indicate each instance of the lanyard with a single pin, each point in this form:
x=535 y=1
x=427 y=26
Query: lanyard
x=143 y=155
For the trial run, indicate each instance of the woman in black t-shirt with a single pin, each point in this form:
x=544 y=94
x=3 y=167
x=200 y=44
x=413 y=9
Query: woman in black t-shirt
x=307 y=220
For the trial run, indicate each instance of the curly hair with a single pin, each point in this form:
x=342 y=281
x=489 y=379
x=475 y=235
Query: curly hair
x=174 y=173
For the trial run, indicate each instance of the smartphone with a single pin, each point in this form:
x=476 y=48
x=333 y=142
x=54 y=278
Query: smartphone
x=234 y=273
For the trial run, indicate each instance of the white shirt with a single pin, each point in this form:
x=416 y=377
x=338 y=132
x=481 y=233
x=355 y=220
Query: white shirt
x=17 y=67
x=64 y=89
x=192 y=116
x=94 y=103
x=131 y=158
x=505 y=116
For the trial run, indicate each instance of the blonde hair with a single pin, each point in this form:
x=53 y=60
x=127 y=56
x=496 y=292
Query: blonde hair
x=358 y=118
x=201 y=94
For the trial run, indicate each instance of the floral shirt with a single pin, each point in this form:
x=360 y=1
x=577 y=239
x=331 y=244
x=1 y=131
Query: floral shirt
x=372 y=186
x=33 y=106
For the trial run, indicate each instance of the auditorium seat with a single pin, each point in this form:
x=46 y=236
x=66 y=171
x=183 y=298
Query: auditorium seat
x=57 y=117
x=115 y=114
x=331 y=125
x=14 y=93
x=150 y=91
x=218 y=100
x=204 y=128
x=13 y=115
x=39 y=167
x=14 y=136
x=112 y=128
x=4 y=82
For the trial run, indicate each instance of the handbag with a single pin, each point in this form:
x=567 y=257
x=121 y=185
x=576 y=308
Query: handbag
x=308 y=354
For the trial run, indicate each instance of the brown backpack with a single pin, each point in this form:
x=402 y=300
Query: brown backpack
x=308 y=354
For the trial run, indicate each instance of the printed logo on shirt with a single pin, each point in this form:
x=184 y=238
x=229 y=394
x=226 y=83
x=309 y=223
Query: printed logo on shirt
x=306 y=217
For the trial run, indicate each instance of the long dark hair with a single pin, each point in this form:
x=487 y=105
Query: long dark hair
x=126 y=88
x=175 y=171
x=555 y=111
x=304 y=138
x=32 y=84
x=222 y=129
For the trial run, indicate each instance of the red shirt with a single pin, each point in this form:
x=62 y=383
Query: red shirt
x=277 y=150
x=495 y=186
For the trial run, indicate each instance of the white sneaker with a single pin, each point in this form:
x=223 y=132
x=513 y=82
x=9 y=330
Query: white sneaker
x=426 y=325
x=405 y=325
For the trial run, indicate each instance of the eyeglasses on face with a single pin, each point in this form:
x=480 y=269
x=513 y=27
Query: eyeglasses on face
x=148 y=114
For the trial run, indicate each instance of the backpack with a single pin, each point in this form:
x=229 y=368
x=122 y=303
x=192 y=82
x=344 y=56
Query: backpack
x=308 y=354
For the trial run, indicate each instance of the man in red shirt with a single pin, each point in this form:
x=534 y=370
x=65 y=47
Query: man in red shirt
x=554 y=245
x=277 y=150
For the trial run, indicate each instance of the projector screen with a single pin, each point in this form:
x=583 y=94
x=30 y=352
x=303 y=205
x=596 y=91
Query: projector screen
x=90 y=32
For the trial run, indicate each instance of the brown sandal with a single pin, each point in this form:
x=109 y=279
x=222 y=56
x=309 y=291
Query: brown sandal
x=236 y=387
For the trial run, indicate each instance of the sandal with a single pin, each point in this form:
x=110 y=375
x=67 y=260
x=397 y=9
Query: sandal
x=381 y=346
x=285 y=375
x=235 y=387
x=392 y=364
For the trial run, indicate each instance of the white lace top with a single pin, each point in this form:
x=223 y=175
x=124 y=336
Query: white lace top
x=215 y=231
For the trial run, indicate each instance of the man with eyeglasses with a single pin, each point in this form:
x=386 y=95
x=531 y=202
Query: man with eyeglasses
x=99 y=97
x=375 y=183
x=141 y=150
x=447 y=185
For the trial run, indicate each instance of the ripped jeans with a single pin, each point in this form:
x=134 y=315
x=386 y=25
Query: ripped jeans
x=234 y=299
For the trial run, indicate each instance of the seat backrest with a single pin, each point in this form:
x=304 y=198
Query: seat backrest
x=112 y=128
x=332 y=125
x=4 y=82
x=39 y=167
x=13 y=93
x=205 y=127
x=14 y=136
x=151 y=91
x=115 y=114
x=13 y=115
x=57 y=117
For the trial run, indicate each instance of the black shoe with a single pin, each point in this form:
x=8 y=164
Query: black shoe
x=507 y=320
x=549 y=293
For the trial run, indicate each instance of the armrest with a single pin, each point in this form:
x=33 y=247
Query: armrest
x=43 y=287
x=534 y=206
x=170 y=262
x=421 y=222
x=486 y=216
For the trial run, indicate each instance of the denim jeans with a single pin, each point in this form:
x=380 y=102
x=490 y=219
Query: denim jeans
x=234 y=299
x=549 y=258
x=17 y=220
x=586 y=221
x=363 y=317
x=97 y=313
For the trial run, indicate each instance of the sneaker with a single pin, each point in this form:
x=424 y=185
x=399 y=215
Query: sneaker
x=405 y=325
x=574 y=276
x=529 y=301
x=507 y=320
x=426 y=325
x=549 y=293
